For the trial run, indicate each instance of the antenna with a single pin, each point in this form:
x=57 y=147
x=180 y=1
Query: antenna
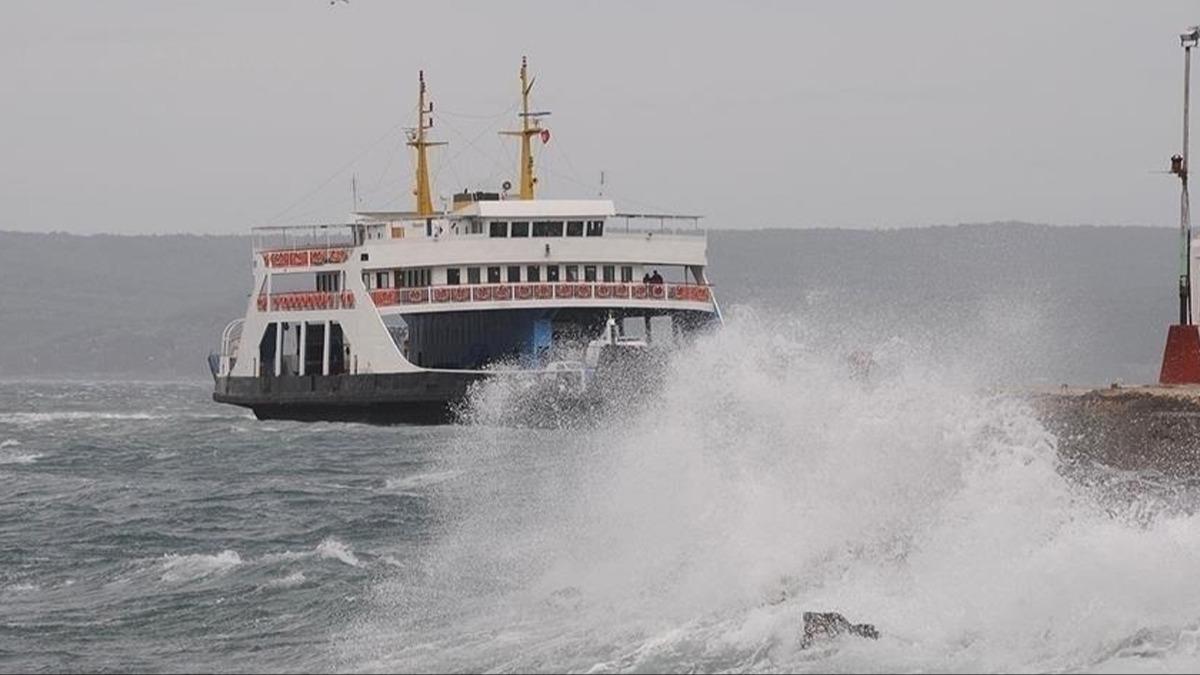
x=354 y=191
x=601 y=182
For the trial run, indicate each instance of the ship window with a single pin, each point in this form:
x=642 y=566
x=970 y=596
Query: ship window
x=383 y=280
x=575 y=228
x=589 y=272
x=520 y=229
x=367 y=280
x=595 y=228
x=572 y=272
x=472 y=275
x=626 y=274
x=476 y=227
x=549 y=228
x=499 y=228
x=533 y=273
x=610 y=273
x=414 y=278
x=493 y=275
x=453 y=276
x=514 y=274
x=327 y=281
x=551 y=272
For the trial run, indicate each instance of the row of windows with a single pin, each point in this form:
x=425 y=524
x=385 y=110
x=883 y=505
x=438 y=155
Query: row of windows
x=421 y=277
x=410 y=278
x=546 y=228
x=533 y=274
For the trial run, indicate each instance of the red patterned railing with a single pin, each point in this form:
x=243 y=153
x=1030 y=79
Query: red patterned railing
x=305 y=257
x=541 y=291
x=306 y=301
x=297 y=302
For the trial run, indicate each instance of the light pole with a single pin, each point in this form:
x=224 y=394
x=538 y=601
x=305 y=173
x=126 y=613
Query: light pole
x=1181 y=358
x=1179 y=167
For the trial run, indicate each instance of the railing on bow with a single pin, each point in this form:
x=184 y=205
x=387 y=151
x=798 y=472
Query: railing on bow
x=570 y=290
x=302 y=301
x=305 y=257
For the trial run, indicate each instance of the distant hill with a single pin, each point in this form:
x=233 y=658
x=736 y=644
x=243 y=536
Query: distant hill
x=1033 y=302
x=125 y=306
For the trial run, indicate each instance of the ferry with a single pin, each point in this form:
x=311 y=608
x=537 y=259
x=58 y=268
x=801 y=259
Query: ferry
x=394 y=316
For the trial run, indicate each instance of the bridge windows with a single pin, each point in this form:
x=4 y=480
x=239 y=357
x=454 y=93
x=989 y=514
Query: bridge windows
x=548 y=228
x=595 y=228
x=575 y=228
x=498 y=229
x=511 y=274
x=520 y=228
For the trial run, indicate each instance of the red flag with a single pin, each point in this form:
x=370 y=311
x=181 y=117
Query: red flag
x=545 y=136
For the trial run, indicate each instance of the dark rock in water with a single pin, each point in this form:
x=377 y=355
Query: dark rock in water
x=820 y=626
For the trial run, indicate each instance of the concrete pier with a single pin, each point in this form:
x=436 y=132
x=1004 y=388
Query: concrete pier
x=1151 y=427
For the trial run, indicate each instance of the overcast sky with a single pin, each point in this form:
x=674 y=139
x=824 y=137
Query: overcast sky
x=215 y=115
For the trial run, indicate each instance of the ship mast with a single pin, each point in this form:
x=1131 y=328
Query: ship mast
x=530 y=127
x=416 y=139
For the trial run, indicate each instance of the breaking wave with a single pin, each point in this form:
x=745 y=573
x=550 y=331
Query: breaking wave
x=690 y=531
x=291 y=580
x=336 y=550
x=415 y=484
x=71 y=415
x=182 y=568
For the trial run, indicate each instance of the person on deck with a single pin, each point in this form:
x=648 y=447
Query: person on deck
x=656 y=278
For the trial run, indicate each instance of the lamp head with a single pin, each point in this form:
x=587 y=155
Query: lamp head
x=1190 y=37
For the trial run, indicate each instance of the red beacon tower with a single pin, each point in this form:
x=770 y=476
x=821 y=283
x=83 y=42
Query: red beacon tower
x=1181 y=359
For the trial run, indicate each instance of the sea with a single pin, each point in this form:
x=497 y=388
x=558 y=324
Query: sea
x=144 y=527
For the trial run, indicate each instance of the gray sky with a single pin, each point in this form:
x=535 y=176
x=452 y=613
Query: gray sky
x=215 y=115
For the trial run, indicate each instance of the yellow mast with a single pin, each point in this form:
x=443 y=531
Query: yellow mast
x=416 y=139
x=530 y=127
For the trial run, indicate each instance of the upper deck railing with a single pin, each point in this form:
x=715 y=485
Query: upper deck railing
x=329 y=236
x=655 y=222
x=599 y=292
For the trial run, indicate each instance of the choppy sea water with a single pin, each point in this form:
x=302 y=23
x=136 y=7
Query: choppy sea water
x=143 y=527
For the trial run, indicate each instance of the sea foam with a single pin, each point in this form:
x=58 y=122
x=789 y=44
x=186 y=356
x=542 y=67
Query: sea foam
x=692 y=530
